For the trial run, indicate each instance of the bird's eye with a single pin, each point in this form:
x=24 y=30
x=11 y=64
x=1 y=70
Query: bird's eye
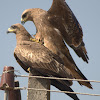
x=13 y=27
x=24 y=15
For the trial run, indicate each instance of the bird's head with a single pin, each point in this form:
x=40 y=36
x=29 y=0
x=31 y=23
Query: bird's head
x=31 y=15
x=16 y=28
x=20 y=31
x=26 y=16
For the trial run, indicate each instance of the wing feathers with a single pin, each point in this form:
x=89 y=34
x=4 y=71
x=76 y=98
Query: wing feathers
x=70 y=28
x=42 y=60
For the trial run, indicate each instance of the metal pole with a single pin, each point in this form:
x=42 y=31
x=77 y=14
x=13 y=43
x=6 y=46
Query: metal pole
x=15 y=94
x=7 y=80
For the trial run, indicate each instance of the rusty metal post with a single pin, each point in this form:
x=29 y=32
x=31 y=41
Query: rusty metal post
x=15 y=94
x=7 y=80
x=37 y=84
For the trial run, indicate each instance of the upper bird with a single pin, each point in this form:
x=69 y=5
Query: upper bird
x=61 y=19
x=52 y=37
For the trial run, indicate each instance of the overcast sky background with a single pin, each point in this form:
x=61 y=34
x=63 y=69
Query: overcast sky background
x=87 y=13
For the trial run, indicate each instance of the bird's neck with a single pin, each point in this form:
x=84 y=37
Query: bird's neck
x=38 y=18
x=22 y=37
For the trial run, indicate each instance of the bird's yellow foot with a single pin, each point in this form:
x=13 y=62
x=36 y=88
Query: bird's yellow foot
x=35 y=40
x=28 y=69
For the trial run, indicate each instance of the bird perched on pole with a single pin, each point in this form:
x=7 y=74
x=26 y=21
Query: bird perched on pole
x=60 y=18
x=34 y=55
x=52 y=38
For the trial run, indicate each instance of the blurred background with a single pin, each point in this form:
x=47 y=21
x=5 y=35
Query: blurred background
x=88 y=15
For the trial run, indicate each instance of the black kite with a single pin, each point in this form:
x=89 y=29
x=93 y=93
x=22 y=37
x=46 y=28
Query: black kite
x=52 y=39
x=61 y=18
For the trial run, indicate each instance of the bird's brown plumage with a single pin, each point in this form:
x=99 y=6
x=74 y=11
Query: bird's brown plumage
x=70 y=28
x=52 y=39
x=61 y=17
x=31 y=54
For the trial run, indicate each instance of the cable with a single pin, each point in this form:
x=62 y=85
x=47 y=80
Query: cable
x=42 y=77
x=25 y=88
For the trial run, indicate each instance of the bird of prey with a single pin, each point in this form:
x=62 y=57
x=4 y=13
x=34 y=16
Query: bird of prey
x=52 y=39
x=60 y=18
x=34 y=55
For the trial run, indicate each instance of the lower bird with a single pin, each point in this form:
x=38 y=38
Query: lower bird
x=31 y=54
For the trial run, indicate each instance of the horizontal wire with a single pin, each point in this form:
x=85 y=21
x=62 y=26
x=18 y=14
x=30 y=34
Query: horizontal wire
x=25 y=88
x=42 y=77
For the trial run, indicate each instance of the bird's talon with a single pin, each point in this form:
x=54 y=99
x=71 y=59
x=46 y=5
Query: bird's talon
x=28 y=69
x=35 y=40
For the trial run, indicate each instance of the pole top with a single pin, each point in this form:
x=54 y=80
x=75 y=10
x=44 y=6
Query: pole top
x=7 y=78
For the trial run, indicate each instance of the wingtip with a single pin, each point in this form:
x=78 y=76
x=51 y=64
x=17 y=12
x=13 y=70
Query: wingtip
x=91 y=87
x=88 y=84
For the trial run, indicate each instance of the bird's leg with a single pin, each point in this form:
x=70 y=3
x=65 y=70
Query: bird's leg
x=28 y=69
x=34 y=40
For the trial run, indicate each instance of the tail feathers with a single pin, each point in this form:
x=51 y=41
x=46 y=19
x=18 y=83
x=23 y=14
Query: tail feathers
x=64 y=87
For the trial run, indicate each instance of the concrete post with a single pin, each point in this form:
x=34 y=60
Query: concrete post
x=37 y=84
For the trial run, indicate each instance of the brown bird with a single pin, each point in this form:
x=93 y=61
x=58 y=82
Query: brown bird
x=34 y=55
x=52 y=39
x=62 y=19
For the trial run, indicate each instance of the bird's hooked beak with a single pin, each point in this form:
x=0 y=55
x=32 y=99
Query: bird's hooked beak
x=22 y=21
x=10 y=30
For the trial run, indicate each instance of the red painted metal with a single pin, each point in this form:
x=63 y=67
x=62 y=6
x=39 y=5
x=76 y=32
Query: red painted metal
x=7 y=78
x=15 y=94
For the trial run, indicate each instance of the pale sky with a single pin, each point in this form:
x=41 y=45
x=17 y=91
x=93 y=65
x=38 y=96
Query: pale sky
x=88 y=15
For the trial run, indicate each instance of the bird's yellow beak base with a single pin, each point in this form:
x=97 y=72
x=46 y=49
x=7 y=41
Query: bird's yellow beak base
x=22 y=21
x=10 y=30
